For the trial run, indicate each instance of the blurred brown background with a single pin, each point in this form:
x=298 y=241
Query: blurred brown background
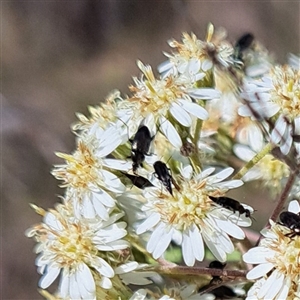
x=60 y=56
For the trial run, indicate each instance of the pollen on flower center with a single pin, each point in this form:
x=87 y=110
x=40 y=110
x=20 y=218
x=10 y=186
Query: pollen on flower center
x=273 y=170
x=286 y=92
x=154 y=95
x=73 y=246
x=187 y=207
x=80 y=169
x=287 y=251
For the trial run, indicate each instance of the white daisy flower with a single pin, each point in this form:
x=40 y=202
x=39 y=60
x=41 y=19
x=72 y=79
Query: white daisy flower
x=75 y=249
x=194 y=56
x=114 y=112
x=277 y=92
x=191 y=217
x=88 y=179
x=160 y=96
x=277 y=259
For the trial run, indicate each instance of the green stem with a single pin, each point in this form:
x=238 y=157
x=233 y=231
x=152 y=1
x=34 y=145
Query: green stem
x=197 y=132
x=250 y=164
x=195 y=161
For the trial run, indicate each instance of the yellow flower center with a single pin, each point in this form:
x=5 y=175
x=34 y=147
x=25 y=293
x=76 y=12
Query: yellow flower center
x=273 y=171
x=155 y=95
x=286 y=92
x=73 y=246
x=81 y=168
x=287 y=258
x=187 y=206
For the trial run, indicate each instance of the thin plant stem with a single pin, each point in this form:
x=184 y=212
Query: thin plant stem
x=197 y=132
x=283 y=197
x=250 y=164
x=182 y=270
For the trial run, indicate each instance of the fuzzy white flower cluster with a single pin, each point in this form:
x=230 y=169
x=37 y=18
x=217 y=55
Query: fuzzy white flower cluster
x=151 y=173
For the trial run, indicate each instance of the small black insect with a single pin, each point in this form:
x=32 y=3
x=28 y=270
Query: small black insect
x=163 y=174
x=223 y=292
x=139 y=181
x=232 y=205
x=243 y=43
x=291 y=221
x=216 y=265
x=140 y=146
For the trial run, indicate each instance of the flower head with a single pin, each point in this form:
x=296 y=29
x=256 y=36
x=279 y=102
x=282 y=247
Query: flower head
x=86 y=175
x=278 y=266
x=278 y=92
x=190 y=217
x=76 y=250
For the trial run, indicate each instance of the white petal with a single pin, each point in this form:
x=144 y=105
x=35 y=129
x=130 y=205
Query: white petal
x=100 y=209
x=197 y=244
x=157 y=234
x=207 y=65
x=105 y=283
x=204 y=93
x=104 y=198
x=117 y=164
x=244 y=111
x=88 y=210
x=225 y=241
x=194 y=65
x=52 y=221
x=243 y=152
x=109 y=141
x=150 y=222
x=256 y=138
x=278 y=131
x=283 y=293
x=294 y=206
x=220 y=176
x=74 y=289
x=287 y=143
x=217 y=251
x=272 y=286
x=258 y=255
x=206 y=173
x=127 y=267
x=112 y=246
x=180 y=115
x=103 y=267
x=194 y=109
x=113 y=183
x=187 y=250
x=86 y=278
x=49 y=277
x=164 y=66
x=108 y=236
x=64 y=285
x=170 y=132
x=230 y=184
x=187 y=172
x=260 y=270
x=231 y=229
x=139 y=295
x=162 y=244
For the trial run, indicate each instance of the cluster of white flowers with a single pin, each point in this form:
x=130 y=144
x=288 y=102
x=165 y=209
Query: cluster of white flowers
x=151 y=173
